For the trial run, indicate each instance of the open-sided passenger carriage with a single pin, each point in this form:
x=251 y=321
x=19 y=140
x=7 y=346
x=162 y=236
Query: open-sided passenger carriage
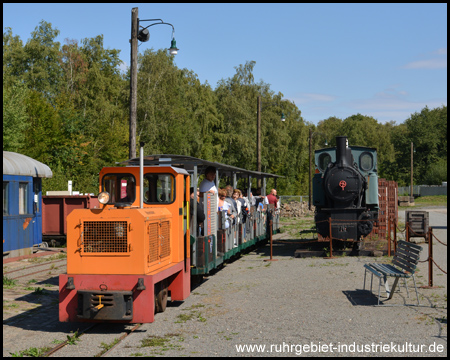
x=218 y=244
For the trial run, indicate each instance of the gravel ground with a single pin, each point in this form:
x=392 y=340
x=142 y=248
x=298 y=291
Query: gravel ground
x=284 y=307
x=288 y=304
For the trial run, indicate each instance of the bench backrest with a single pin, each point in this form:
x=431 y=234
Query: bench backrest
x=407 y=256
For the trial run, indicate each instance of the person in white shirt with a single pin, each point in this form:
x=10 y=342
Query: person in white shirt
x=208 y=184
x=236 y=194
x=222 y=205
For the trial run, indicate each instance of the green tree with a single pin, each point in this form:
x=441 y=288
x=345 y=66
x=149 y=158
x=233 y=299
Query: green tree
x=42 y=71
x=282 y=143
x=15 y=119
x=176 y=114
x=428 y=132
x=13 y=59
x=436 y=173
x=75 y=67
x=328 y=129
x=43 y=136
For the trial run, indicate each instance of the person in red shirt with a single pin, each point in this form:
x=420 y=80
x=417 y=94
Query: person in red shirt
x=272 y=198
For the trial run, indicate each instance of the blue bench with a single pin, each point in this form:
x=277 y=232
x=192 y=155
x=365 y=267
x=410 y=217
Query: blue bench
x=403 y=266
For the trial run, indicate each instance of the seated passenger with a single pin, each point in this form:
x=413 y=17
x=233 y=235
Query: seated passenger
x=236 y=195
x=233 y=206
x=208 y=184
x=223 y=206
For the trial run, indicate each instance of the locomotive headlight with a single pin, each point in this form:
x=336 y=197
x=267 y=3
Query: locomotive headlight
x=103 y=197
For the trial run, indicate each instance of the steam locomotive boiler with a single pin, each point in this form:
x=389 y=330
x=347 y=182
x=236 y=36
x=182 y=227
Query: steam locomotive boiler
x=345 y=190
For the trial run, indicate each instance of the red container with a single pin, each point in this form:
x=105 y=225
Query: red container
x=55 y=209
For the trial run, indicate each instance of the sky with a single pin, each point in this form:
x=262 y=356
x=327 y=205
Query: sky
x=387 y=61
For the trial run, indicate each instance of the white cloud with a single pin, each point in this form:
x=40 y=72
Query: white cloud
x=437 y=60
x=391 y=105
x=427 y=64
x=305 y=98
x=442 y=51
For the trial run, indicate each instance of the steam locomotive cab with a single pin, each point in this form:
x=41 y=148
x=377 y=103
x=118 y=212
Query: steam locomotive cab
x=345 y=189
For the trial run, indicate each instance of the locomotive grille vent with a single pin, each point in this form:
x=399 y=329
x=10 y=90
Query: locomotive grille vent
x=165 y=239
x=105 y=237
x=153 y=242
x=159 y=240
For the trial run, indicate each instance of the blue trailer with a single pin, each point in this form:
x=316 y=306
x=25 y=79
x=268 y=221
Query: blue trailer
x=22 y=203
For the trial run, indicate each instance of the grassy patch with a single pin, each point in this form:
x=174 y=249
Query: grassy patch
x=8 y=283
x=161 y=343
x=41 y=259
x=32 y=352
x=437 y=200
x=298 y=227
x=106 y=347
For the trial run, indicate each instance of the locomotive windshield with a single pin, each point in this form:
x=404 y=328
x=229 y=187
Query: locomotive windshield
x=159 y=188
x=366 y=161
x=121 y=187
x=324 y=160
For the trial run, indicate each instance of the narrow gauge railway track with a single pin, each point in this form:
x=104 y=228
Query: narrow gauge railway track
x=87 y=331
x=33 y=273
x=32 y=267
x=47 y=268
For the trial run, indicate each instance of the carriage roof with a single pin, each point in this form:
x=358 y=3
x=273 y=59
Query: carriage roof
x=188 y=163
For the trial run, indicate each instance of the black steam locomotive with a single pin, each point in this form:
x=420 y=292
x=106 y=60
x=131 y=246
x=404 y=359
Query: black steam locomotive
x=345 y=189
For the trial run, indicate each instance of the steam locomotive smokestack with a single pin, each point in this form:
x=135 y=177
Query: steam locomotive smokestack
x=343 y=153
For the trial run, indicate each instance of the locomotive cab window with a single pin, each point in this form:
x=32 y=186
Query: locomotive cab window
x=159 y=189
x=324 y=160
x=366 y=161
x=121 y=187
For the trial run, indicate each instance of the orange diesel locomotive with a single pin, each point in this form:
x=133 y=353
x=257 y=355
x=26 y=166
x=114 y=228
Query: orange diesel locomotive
x=124 y=258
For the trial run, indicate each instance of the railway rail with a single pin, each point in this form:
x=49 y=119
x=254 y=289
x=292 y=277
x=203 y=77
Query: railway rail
x=51 y=263
x=107 y=348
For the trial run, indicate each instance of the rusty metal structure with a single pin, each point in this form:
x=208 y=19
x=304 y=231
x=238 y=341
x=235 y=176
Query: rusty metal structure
x=388 y=208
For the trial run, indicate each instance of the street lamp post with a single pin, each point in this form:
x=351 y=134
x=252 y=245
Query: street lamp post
x=143 y=36
x=309 y=182
x=411 y=199
x=258 y=135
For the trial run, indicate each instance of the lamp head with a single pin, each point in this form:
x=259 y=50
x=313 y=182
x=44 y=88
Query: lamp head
x=283 y=118
x=173 y=47
x=143 y=35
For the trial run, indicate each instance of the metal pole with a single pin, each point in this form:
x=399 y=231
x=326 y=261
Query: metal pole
x=141 y=176
x=310 y=152
x=395 y=235
x=412 y=195
x=430 y=257
x=389 y=237
x=258 y=138
x=331 y=239
x=133 y=81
